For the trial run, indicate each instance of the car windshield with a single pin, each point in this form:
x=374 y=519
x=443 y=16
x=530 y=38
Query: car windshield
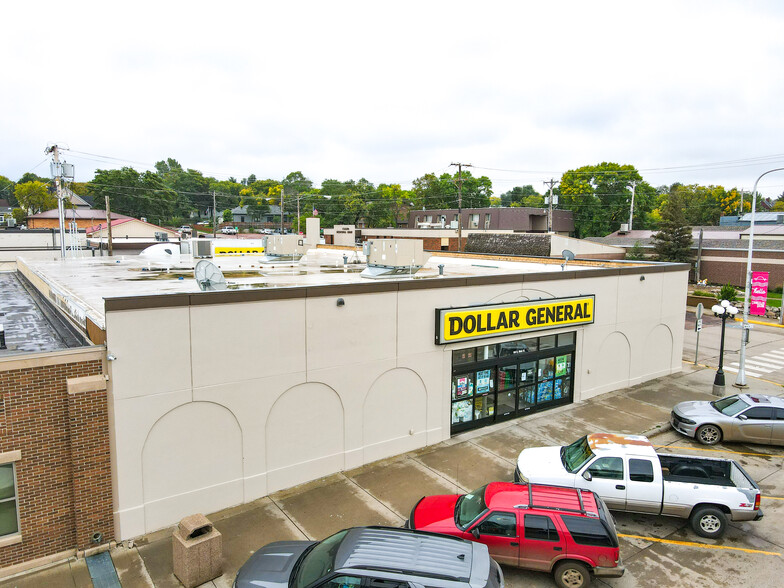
x=575 y=455
x=318 y=562
x=730 y=406
x=469 y=507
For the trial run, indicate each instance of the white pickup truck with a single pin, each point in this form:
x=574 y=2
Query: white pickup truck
x=630 y=476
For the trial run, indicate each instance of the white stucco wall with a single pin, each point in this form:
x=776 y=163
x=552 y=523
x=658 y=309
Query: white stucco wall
x=252 y=397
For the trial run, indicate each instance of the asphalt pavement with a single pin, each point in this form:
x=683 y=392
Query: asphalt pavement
x=656 y=550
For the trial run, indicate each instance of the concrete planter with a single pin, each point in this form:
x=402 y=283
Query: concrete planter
x=707 y=301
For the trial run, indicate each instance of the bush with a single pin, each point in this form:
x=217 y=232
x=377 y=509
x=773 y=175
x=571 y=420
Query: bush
x=702 y=293
x=728 y=293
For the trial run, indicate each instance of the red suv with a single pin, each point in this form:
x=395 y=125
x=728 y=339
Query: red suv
x=567 y=531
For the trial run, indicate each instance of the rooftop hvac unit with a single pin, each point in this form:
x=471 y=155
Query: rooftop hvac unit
x=201 y=247
x=161 y=236
x=389 y=258
x=285 y=247
x=624 y=229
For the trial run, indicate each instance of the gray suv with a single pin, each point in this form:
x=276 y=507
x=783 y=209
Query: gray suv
x=372 y=557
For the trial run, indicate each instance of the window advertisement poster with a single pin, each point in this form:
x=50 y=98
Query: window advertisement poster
x=561 y=365
x=759 y=293
x=483 y=381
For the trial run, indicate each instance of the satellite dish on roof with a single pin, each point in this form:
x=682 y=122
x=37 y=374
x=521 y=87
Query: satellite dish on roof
x=568 y=256
x=208 y=276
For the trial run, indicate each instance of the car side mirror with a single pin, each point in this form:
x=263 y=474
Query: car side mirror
x=587 y=475
x=743 y=417
x=475 y=532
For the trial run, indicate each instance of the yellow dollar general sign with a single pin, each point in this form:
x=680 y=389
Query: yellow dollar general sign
x=478 y=322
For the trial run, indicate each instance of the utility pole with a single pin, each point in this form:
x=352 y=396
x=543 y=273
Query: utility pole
x=460 y=203
x=297 y=214
x=551 y=183
x=214 y=217
x=631 y=208
x=109 y=224
x=57 y=172
x=281 y=209
x=741 y=202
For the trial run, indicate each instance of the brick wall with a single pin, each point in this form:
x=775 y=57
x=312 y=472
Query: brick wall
x=729 y=266
x=64 y=474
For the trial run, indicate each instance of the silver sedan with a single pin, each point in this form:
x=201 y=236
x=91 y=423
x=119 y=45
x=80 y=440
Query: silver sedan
x=753 y=418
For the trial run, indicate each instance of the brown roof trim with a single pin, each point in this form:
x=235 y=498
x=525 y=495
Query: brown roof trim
x=139 y=302
x=432 y=283
x=235 y=296
x=345 y=289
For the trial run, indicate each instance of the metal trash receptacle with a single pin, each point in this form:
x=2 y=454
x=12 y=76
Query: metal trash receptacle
x=197 y=551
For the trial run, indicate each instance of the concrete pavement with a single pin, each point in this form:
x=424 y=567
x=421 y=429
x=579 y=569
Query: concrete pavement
x=384 y=492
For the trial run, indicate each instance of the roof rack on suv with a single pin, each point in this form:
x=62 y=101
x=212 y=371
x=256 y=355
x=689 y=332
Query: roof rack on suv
x=579 y=491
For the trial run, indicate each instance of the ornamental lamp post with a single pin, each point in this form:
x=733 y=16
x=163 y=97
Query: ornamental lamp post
x=722 y=310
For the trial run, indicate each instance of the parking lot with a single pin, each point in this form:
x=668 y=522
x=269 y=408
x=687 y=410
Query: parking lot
x=657 y=551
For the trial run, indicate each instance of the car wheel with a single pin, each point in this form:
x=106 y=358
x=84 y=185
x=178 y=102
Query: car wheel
x=571 y=574
x=708 y=521
x=709 y=434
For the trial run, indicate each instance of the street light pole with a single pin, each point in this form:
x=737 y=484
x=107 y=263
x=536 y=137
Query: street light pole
x=740 y=381
x=722 y=310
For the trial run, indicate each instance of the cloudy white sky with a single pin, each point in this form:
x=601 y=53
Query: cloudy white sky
x=684 y=91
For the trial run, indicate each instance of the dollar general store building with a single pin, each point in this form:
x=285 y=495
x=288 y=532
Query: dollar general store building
x=305 y=369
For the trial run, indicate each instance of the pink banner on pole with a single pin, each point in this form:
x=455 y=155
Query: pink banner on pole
x=759 y=293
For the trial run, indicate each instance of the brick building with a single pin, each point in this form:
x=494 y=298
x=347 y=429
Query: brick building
x=55 y=468
x=518 y=219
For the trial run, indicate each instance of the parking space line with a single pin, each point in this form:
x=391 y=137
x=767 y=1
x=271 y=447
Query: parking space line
x=703 y=545
x=718 y=450
x=772 y=498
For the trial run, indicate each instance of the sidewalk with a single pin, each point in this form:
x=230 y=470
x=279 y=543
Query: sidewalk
x=384 y=492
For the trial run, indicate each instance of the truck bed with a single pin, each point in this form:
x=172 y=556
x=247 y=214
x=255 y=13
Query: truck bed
x=700 y=470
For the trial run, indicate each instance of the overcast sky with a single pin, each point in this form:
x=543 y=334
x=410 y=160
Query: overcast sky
x=684 y=91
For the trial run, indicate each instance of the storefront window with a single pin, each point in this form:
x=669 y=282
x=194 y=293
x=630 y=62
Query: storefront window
x=462 y=386
x=484 y=381
x=507 y=377
x=487 y=388
x=463 y=356
x=544 y=392
x=527 y=397
x=528 y=372
x=461 y=411
x=486 y=352
x=565 y=339
x=546 y=368
x=563 y=365
x=484 y=407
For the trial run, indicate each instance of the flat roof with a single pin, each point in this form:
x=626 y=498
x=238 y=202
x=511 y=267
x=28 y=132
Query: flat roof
x=27 y=321
x=87 y=282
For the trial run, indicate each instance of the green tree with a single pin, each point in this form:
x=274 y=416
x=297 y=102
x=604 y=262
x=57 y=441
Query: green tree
x=518 y=195
x=599 y=197
x=433 y=192
x=636 y=252
x=673 y=241
x=7 y=190
x=227 y=216
x=296 y=183
x=134 y=194
x=389 y=207
x=19 y=215
x=31 y=177
x=727 y=292
x=35 y=197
